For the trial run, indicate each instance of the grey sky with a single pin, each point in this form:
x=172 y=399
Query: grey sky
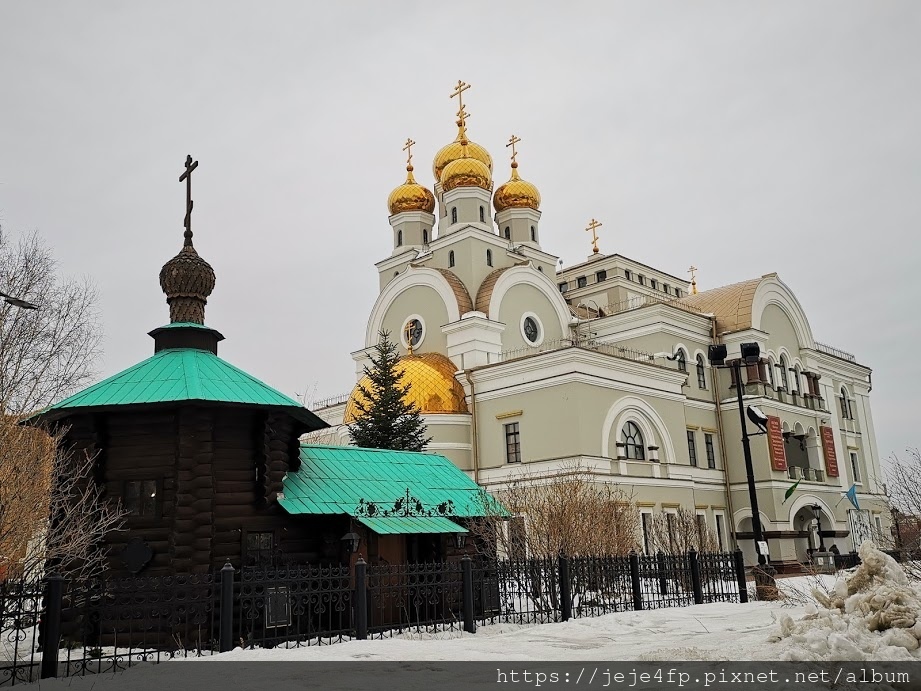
x=741 y=137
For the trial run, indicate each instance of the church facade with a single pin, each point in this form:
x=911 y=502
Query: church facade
x=519 y=364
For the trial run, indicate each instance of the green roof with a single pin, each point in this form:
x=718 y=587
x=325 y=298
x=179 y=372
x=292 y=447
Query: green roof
x=334 y=480
x=414 y=524
x=181 y=374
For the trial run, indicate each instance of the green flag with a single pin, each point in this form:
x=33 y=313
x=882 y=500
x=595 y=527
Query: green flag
x=790 y=490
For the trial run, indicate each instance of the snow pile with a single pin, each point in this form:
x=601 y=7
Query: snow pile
x=873 y=614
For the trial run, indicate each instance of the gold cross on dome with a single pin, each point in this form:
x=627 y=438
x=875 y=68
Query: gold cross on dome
x=511 y=142
x=593 y=226
x=408 y=333
x=459 y=92
x=693 y=272
x=408 y=148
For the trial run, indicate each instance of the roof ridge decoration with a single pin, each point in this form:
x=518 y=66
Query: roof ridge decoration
x=187 y=279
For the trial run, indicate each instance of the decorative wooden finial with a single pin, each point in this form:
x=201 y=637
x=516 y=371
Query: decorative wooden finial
x=593 y=226
x=187 y=176
x=693 y=272
x=511 y=142
x=408 y=148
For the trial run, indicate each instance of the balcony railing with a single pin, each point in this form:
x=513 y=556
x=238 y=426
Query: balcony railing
x=807 y=474
x=329 y=401
x=558 y=344
x=835 y=352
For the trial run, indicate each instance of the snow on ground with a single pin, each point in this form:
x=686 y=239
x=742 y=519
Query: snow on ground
x=866 y=614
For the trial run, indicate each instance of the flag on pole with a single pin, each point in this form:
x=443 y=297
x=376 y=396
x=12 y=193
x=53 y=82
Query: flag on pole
x=790 y=490
x=851 y=495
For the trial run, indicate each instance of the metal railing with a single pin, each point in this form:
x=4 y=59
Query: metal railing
x=589 y=344
x=645 y=301
x=835 y=352
x=55 y=627
x=330 y=401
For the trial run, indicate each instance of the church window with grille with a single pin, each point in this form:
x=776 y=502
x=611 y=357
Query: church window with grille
x=701 y=372
x=692 y=448
x=634 y=447
x=508 y=233
x=482 y=215
x=453 y=214
x=451 y=258
x=425 y=236
x=711 y=452
x=682 y=361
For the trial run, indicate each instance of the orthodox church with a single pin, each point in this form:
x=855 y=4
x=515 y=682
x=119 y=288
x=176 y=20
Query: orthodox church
x=521 y=364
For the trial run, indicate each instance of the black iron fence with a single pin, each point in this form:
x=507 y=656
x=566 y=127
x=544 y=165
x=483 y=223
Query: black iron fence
x=55 y=628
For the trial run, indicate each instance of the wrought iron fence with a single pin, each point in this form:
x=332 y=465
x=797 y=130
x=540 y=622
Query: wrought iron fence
x=420 y=598
x=55 y=628
x=293 y=606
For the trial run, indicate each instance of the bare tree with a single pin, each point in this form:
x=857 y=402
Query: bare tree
x=904 y=489
x=52 y=512
x=46 y=353
x=681 y=531
x=566 y=512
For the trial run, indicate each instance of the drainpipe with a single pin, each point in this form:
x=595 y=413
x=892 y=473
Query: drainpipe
x=719 y=425
x=474 y=446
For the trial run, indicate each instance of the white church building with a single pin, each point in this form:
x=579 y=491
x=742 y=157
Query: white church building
x=517 y=362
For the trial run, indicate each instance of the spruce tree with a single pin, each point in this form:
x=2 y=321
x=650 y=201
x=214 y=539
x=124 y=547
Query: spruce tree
x=386 y=420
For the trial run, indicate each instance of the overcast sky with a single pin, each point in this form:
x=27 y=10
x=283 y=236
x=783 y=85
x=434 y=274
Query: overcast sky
x=744 y=138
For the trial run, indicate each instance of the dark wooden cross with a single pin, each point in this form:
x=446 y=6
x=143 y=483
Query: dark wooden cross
x=187 y=176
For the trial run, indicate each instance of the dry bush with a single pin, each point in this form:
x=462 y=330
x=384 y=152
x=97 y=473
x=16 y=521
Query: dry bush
x=564 y=512
x=52 y=512
x=678 y=533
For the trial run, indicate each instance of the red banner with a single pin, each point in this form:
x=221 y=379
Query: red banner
x=828 y=446
x=775 y=443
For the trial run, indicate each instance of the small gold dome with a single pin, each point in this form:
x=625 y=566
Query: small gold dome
x=516 y=194
x=455 y=150
x=433 y=387
x=466 y=172
x=410 y=196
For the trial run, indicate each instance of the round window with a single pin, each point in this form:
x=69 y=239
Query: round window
x=531 y=329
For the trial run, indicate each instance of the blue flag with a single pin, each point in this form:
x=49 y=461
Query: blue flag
x=851 y=495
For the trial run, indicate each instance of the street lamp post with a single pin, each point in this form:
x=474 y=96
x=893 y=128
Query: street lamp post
x=751 y=353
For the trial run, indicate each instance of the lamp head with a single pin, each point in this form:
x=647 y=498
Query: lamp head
x=751 y=352
x=717 y=354
x=351 y=541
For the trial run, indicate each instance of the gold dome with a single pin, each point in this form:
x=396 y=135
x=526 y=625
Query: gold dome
x=455 y=150
x=410 y=196
x=466 y=172
x=433 y=387
x=516 y=194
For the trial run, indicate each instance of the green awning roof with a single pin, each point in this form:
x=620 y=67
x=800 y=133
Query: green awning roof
x=181 y=374
x=403 y=526
x=334 y=480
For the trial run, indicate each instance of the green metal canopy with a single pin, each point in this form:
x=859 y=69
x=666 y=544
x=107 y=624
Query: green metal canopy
x=415 y=524
x=342 y=479
x=181 y=374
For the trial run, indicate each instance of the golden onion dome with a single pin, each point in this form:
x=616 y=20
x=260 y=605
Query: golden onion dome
x=466 y=172
x=433 y=387
x=410 y=196
x=516 y=194
x=455 y=150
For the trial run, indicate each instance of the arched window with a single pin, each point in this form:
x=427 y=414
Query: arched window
x=633 y=442
x=770 y=372
x=796 y=380
x=488 y=257
x=425 y=236
x=845 y=407
x=451 y=258
x=701 y=373
x=508 y=233
x=399 y=238
x=482 y=215
x=453 y=214
x=533 y=234
x=682 y=361
x=783 y=372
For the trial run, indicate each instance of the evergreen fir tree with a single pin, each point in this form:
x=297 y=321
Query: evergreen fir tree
x=386 y=420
